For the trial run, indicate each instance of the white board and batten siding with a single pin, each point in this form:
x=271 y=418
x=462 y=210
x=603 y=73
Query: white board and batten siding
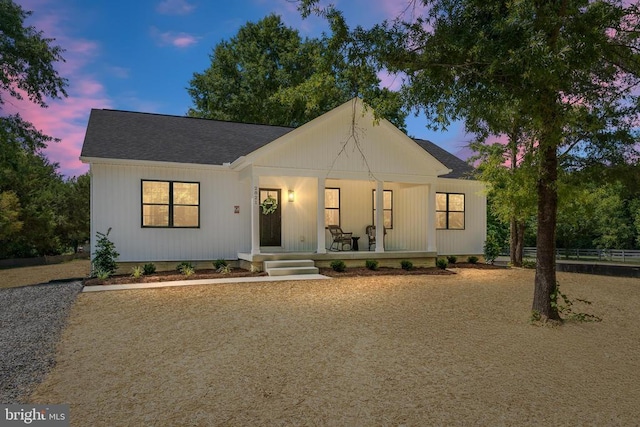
x=471 y=240
x=326 y=147
x=222 y=233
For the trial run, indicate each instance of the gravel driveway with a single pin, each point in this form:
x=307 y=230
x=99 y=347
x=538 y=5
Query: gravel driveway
x=31 y=319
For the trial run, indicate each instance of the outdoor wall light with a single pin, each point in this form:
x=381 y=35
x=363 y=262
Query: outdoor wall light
x=292 y=196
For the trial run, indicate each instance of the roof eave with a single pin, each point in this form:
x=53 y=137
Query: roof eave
x=130 y=162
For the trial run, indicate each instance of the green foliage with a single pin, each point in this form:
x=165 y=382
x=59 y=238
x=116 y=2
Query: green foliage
x=149 y=268
x=452 y=259
x=10 y=225
x=371 y=264
x=442 y=263
x=105 y=255
x=219 y=263
x=405 y=264
x=338 y=265
x=565 y=307
x=187 y=270
x=527 y=263
x=224 y=269
x=491 y=249
x=73 y=226
x=101 y=274
x=183 y=265
x=28 y=58
x=137 y=272
x=268 y=74
x=472 y=259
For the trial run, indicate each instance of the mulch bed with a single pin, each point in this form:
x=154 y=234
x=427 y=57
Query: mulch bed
x=168 y=276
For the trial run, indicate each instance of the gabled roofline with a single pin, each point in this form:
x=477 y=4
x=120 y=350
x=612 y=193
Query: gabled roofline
x=250 y=158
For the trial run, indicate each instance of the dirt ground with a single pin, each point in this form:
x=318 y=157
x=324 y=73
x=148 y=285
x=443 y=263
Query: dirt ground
x=22 y=276
x=389 y=350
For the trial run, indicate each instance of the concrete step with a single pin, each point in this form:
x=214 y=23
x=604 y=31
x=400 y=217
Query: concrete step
x=289 y=271
x=288 y=263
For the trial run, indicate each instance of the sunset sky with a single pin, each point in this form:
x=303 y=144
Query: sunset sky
x=140 y=55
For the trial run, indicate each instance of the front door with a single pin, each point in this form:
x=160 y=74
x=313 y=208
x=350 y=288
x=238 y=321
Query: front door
x=270 y=217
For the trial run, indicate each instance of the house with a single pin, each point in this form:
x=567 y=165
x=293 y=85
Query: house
x=177 y=188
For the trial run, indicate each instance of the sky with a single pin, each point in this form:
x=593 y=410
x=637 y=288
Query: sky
x=140 y=56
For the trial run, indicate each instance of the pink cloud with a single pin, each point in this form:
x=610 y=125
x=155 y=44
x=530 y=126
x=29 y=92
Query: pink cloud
x=175 y=7
x=65 y=119
x=180 y=40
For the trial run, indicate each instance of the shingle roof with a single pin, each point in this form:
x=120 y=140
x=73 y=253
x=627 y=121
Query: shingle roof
x=459 y=168
x=126 y=135
x=142 y=136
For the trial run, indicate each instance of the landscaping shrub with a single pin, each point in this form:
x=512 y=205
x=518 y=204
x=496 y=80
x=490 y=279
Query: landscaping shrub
x=106 y=255
x=371 y=264
x=472 y=259
x=442 y=263
x=406 y=264
x=526 y=263
x=452 y=259
x=491 y=249
x=219 y=263
x=187 y=270
x=149 y=268
x=137 y=272
x=224 y=269
x=183 y=265
x=338 y=265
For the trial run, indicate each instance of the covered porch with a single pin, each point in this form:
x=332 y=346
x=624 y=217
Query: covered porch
x=308 y=201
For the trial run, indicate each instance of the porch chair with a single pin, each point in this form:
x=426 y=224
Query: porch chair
x=340 y=238
x=371 y=234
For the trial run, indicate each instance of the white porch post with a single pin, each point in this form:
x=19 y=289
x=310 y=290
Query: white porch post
x=255 y=214
x=379 y=216
x=320 y=217
x=431 y=219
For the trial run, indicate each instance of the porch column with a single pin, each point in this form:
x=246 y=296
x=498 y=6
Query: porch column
x=320 y=217
x=431 y=219
x=255 y=214
x=379 y=216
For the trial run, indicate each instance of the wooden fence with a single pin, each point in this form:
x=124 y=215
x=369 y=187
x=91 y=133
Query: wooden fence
x=43 y=260
x=620 y=255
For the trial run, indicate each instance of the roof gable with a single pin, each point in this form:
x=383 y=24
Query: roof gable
x=348 y=139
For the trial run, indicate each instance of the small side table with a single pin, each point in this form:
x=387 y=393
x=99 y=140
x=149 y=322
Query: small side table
x=354 y=243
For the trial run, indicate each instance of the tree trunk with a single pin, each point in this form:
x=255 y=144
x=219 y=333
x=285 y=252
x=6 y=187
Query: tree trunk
x=545 y=280
x=516 y=242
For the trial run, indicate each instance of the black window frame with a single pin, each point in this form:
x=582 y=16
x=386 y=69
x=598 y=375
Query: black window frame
x=338 y=208
x=170 y=205
x=373 y=210
x=447 y=211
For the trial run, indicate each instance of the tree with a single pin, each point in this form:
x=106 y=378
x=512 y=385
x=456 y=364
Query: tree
x=27 y=71
x=268 y=74
x=10 y=225
x=573 y=64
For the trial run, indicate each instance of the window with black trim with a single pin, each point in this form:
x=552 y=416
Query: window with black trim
x=170 y=204
x=450 y=211
x=387 y=208
x=331 y=206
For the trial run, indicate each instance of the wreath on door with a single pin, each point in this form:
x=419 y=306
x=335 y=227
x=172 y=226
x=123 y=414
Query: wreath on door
x=269 y=205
